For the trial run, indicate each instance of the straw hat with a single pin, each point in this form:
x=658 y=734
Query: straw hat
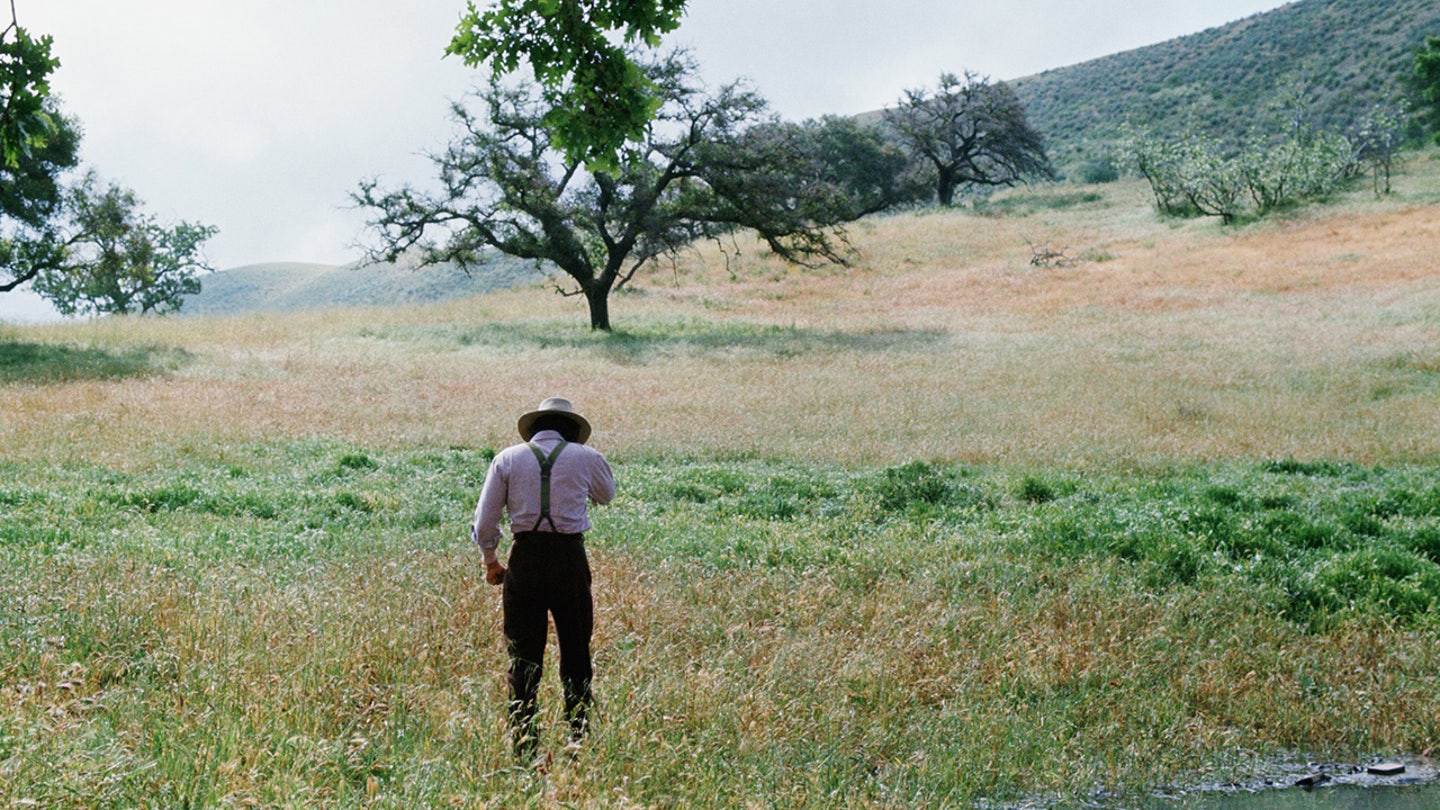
x=559 y=406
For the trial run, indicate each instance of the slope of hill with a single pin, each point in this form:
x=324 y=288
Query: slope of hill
x=292 y=286
x=1341 y=56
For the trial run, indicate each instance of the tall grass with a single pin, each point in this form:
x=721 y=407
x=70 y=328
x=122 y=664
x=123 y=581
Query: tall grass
x=299 y=624
x=938 y=529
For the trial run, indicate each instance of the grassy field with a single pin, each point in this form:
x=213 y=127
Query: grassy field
x=938 y=529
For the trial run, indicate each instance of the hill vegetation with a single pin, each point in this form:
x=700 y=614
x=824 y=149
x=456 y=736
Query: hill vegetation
x=1339 y=57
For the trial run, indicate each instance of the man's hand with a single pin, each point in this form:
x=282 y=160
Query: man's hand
x=495 y=573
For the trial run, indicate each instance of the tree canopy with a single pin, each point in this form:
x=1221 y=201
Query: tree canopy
x=598 y=97
x=119 y=259
x=26 y=123
x=970 y=132
x=37 y=146
x=708 y=163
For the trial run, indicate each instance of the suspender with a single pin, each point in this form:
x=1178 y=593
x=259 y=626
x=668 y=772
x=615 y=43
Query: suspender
x=546 y=463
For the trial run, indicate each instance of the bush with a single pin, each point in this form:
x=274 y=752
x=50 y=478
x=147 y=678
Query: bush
x=357 y=461
x=1100 y=170
x=1196 y=175
x=1392 y=581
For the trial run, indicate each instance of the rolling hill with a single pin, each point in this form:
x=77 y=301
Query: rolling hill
x=1340 y=56
x=280 y=287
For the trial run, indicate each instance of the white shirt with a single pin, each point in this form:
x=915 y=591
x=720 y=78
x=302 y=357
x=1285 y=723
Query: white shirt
x=579 y=477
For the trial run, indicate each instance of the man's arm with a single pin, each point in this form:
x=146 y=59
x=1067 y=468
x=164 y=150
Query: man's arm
x=602 y=482
x=485 y=529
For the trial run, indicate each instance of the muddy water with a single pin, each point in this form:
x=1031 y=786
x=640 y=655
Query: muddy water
x=1339 y=797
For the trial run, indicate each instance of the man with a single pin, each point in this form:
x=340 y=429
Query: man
x=545 y=484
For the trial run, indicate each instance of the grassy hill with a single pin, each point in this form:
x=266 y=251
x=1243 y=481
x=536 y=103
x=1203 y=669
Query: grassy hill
x=1342 y=56
x=284 y=287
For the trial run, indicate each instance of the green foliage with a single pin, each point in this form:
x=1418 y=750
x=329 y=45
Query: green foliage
x=874 y=173
x=1424 y=83
x=37 y=144
x=1036 y=490
x=358 y=461
x=1195 y=175
x=598 y=97
x=26 y=122
x=121 y=260
x=1100 y=170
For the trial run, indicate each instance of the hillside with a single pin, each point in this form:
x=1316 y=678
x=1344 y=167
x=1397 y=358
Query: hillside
x=1342 y=56
x=281 y=287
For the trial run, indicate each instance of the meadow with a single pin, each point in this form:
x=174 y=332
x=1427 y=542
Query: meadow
x=940 y=529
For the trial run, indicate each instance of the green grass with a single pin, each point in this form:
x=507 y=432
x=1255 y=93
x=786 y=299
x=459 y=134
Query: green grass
x=44 y=363
x=303 y=623
x=645 y=339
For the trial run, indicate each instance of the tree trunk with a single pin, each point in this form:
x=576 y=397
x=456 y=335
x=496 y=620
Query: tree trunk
x=946 y=190
x=599 y=300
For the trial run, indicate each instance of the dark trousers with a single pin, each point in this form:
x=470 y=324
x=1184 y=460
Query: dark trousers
x=548 y=574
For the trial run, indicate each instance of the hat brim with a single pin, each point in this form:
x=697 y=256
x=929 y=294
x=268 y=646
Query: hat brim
x=526 y=425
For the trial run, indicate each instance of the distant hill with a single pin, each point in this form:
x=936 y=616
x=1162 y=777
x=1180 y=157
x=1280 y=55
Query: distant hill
x=292 y=286
x=1342 y=56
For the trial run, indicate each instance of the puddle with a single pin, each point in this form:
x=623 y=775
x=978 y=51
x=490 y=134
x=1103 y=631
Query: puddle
x=1381 y=785
x=1393 y=785
x=1339 y=797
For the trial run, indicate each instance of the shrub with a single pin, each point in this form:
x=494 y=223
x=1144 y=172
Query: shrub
x=913 y=483
x=357 y=461
x=1101 y=170
x=1195 y=175
x=1036 y=491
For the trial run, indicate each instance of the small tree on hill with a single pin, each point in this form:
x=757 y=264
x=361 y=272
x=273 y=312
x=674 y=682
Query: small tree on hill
x=1377 y=139
x=708 y=163
x=969 y=132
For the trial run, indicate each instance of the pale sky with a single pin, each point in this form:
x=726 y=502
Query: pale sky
x=261 y=116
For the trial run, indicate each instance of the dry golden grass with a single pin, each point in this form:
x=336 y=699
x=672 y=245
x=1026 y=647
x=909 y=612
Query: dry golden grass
x=1310 y=336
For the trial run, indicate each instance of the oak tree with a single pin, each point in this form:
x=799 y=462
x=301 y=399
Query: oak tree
x=118 y=259
x=708 y=163
x=969 y=132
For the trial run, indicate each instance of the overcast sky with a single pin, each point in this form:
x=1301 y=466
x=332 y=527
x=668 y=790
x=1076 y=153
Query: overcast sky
x=260 y=116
